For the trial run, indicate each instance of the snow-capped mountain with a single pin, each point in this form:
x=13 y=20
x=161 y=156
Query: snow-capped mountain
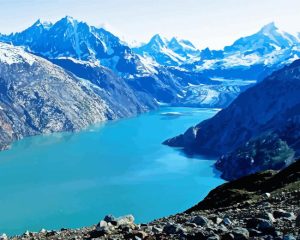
x=268 y=39
x=70 y=43
x=71 y=38
x=166 y=52
x=251 y=57
x=171 y=71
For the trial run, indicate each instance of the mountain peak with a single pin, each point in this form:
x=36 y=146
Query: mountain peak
x=175 y=39
x=40 y=23
x=158 y=40
x=269 y=28
x=68 y=20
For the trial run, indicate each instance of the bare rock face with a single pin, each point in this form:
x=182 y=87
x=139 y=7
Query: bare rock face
x=37 y=97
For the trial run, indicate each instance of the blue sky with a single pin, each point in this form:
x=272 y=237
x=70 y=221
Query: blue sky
x=212 y=23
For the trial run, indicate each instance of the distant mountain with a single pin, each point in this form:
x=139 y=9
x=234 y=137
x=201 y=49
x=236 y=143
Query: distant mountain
x=38 y=97
x=168 y=71
x=168 y=53
x=264 y=118
x=268 y=39
x=251 y=57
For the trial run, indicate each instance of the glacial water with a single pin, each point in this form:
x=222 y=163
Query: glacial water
x=121 y=167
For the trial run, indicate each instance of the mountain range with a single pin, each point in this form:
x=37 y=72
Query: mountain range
x=251 y=58
x=170 y=71
x=117 y=81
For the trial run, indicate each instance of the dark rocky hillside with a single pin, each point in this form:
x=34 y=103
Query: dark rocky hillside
x=269 y=112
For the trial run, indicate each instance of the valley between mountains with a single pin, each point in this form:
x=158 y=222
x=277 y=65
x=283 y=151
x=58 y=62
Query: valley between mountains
x=67 y=75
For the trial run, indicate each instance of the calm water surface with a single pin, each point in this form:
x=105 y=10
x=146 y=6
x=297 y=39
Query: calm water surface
x=121 y=167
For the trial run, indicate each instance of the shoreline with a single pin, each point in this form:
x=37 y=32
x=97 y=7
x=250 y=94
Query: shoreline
x=259 y=206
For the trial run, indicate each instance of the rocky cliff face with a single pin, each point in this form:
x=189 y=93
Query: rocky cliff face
x=38 y=97
x=112 y=88
x=271 y=107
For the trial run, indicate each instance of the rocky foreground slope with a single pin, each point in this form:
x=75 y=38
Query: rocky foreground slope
x=265 y=205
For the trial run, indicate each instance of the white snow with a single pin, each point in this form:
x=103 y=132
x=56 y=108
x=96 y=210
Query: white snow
x=11 y=55
x=92 y=63
x=148 y=65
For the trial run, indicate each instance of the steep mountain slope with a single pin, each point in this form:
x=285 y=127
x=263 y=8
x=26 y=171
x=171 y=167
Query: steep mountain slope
x=270 y=109
x=38 y=97
x=251 y=57
x=110 y=87
x=77 y=40
x=168 y=53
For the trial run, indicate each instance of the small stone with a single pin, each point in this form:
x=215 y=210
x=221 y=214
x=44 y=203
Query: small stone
x=240 y=233
x=3 y=237
x=259 y=223
x=156 y=229
x=141 y=234
x=103 y=227
x=43 y=231
x=264 y=225
x=102 y=223
x=125 y=220
x=267 y=195
x=218 y=220
x=223 y=228
x=267 y=216
x=288 y=237
x=283 y=214
x=227 y=221
x=109 y=218
x=200 y=221
x=173 y=229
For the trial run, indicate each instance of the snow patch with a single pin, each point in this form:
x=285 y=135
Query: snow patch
x=12 y=55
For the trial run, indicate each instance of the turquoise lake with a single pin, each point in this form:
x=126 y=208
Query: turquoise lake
x=120 y=167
